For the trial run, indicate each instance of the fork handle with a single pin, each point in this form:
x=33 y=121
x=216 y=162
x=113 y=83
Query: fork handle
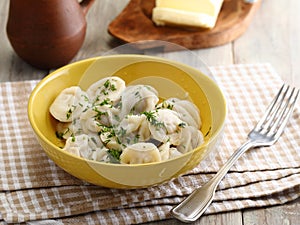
x=191 y=208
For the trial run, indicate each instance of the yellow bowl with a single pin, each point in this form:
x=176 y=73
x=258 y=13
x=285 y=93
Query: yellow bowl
x=170 y=78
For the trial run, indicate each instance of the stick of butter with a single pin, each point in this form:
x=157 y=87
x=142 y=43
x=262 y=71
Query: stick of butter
x=190 y=13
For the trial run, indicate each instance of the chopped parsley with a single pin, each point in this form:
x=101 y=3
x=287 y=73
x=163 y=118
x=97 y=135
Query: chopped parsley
x=108 y=86
x=60 y=135
x=151 y=117
x=73 y=138
x=106 y=101
x=94 y=140
x=121 y=132
x=114 y=155
x=85 y=98
x=99 y=113
x=70 y=111
x=109 y=133
x=165 y=105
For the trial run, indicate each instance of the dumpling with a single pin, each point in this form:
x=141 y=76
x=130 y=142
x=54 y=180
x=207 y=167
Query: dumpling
x=165 y=125
x=100 y=155
x=173 y=153
x=191 y=138
x=137 y=99
x=95 y=140
x=106 y=91
x=67 y=130
x=109 y=138
x=168 y=152
x=63 y=130
x=88 y=122
x=140 y=153
x=69 y=104
x=93 y=118
x=77 y=145
x=164 y=151
x=85 y=146
x=131 y=123
x=133 y=129
x=187 y=111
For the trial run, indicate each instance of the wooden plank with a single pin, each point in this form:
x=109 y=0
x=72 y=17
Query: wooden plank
x=98 y=40
x=232 y=218
x=273 y=37
x=216 y=56
x=287 y=214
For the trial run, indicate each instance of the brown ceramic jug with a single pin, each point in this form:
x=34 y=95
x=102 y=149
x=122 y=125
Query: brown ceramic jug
x=47 y=33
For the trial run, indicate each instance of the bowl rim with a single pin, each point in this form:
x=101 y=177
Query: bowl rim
x=56 y=73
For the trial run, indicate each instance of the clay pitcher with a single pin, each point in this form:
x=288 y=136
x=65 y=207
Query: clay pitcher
x=47 y=33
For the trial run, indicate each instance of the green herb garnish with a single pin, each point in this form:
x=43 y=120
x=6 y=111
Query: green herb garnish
x=108 y=87
x=151 y=117
x=73 y=138
x=99 y=113
x=70 y=111
x=165 y=105
x=114 y=155
x=106 y=101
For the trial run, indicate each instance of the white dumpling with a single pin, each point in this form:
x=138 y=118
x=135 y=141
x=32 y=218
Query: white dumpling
x=132 y=129
x=85 y=146
x=63 y=130
x=109 y=138
x=95 y=140
x=74 y=128
x=104 y=114
x=106 y=90
x=69 y=104
x=100 y=155
x=73 y=150
x=77 y=145
x=164 y=151
x=168 y=152
x=165 y=125
x=187 y=111
x=144 y=131
x=191 y=139
x=137 y=99
x=112 y=118
x=140 y=153
x=88 y=122
x=131 y=123
x=93 y=118
x=173 y=153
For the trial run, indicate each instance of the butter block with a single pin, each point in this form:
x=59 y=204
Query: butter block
x=189 y=13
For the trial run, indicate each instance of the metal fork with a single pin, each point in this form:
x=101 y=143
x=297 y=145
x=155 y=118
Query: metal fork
x=265 y=133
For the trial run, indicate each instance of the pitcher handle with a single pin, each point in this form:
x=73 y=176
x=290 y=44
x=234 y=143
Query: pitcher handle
x=86 y=5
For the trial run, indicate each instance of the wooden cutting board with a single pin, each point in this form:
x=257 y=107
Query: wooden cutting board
x=134 y=24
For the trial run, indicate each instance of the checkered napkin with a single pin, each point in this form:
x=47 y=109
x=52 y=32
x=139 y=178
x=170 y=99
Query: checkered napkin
x=34 y=190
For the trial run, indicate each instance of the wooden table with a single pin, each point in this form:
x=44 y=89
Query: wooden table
x=273 y=37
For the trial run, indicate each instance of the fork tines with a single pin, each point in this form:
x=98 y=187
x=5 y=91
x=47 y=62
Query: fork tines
x=279 y=111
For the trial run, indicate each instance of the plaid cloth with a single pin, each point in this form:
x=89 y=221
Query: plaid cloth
x=35 y=191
